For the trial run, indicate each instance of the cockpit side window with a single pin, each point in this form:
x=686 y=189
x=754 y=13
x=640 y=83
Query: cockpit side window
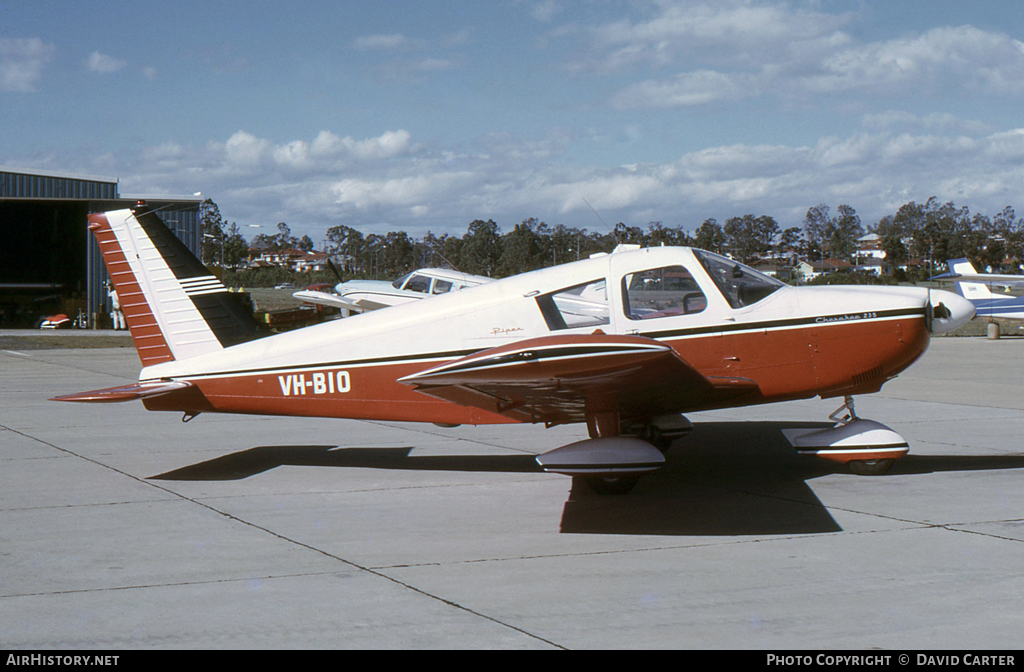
x=418 y=283
x=583 y=305
x=740 y=285
x=661 y=292
x=441 y=286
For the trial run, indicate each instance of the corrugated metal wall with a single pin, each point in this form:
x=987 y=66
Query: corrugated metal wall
x=100 y=194
x=27 y=185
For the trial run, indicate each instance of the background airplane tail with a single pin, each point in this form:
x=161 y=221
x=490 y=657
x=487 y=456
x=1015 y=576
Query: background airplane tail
x=174 y=307
x=969 y=290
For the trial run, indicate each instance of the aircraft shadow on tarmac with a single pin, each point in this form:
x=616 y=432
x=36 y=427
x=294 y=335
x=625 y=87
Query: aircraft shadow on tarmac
x=724 y=479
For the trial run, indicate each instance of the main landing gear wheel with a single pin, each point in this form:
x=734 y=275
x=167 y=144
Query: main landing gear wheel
x=611 y=485
x=656 y=438
x=870 y=467
x=608 y=465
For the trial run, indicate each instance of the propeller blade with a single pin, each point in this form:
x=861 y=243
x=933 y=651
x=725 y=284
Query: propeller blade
x=929 y=312
x=334 y=269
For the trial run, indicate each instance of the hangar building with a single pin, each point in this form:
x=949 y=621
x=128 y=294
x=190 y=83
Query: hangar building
x=49 y=262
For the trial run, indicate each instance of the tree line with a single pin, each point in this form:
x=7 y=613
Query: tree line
x=921 y=235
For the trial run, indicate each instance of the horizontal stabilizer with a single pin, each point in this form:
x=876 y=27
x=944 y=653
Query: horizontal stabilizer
x=126 y=392
x=608 y=456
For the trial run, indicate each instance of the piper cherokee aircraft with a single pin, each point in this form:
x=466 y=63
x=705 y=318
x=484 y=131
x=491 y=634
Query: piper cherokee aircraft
x=357 y=296
x=976 y=287
x=624 y=342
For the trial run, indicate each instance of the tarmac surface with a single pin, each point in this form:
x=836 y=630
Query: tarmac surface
x=125 y=529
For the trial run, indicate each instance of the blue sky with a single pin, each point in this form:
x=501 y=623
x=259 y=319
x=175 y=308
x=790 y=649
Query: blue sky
x=424 y=115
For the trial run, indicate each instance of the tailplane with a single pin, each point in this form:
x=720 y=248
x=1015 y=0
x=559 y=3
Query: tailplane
x=175 y=308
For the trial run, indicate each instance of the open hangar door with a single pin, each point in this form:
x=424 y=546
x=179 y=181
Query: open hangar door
x=49 y=262
x=42 y=260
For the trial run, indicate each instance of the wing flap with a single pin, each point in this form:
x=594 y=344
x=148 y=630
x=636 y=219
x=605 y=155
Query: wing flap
x=557 y=379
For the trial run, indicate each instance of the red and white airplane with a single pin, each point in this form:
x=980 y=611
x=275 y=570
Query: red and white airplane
x=625 y=342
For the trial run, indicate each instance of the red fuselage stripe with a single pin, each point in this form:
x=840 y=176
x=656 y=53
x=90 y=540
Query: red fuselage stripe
x=791 y=363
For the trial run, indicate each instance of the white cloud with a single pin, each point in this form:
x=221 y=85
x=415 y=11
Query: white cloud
x=433 y=64
x=725 y=32
x=741 y=49
x=22 y=61
x=683 y=90
x=605 y=192
x=391 y=41
x=389 y=182
x=965 y=58
x=103 y=64
x=388 y=144
x=399 y=41
x=400 y=192
x=545 y=10
x=935 y=121
x=244 y=150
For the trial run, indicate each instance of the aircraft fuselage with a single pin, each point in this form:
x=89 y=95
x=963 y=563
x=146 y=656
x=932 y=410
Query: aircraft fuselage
x=795 y=342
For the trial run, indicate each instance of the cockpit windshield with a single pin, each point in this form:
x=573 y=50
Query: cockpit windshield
x=740 y=284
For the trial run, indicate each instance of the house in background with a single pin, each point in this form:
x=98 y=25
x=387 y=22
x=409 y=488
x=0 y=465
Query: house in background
x=292 y=259
x=805 y=271
x=869 y=254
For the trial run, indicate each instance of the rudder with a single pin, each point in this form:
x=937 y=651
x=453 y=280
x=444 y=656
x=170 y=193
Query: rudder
x=175 y=308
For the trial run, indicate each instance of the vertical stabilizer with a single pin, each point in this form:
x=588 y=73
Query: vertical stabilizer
x=175 y=308
x=969 y=290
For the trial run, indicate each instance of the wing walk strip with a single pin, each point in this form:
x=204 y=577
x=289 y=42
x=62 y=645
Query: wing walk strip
x=427 y=358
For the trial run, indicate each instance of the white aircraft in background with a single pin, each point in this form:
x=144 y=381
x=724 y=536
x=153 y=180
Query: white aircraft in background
x=625 y=342
x=357 y=296
x=977 y=288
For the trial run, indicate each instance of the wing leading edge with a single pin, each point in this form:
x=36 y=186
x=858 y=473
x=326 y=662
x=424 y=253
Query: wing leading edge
x=561 y=379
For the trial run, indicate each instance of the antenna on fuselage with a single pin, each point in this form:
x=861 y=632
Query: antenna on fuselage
x=610 y=229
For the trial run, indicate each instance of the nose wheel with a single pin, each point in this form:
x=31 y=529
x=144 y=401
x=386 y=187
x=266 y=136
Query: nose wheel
x=611 y=485
x=870 y=467
x=868 y=448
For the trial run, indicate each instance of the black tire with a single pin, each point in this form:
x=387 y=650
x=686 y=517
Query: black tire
x=611 y=485
x=871 y=467
x=656 y=438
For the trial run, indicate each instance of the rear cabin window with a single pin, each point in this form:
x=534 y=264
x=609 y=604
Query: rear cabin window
x=441 y=287
x=661 y=292
x=584 y=305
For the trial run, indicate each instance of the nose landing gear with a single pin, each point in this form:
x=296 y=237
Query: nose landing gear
x=867 y=447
